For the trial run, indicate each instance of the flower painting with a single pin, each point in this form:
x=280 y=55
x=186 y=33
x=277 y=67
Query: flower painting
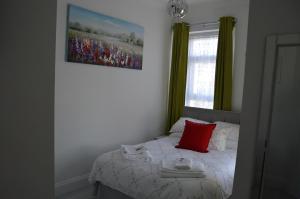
x=94 y=38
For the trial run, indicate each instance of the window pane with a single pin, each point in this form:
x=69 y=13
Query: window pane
x=201 y=70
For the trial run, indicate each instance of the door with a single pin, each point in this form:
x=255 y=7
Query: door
x=280 y=125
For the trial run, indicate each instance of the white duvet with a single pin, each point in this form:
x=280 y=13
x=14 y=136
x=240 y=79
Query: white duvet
x=142 y=180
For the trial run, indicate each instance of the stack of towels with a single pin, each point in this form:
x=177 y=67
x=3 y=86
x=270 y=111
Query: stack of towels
x=136 y=152
x=181 y=168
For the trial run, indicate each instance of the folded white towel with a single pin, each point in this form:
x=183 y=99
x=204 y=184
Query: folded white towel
x=136 y=152
x=165 y=174
x=169 y=165
x=133 y=149
x=144 y=156
x=168 y=170
x=183 y=164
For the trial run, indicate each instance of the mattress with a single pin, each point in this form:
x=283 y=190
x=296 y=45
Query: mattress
x=141 y=180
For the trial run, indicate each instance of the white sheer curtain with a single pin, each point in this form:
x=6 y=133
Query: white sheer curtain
x=201 y=69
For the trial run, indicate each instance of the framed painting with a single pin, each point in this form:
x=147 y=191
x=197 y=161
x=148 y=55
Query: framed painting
x=94 y=38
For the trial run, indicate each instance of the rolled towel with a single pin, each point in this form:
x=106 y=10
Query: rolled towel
x=183 y=164
x=133 y=149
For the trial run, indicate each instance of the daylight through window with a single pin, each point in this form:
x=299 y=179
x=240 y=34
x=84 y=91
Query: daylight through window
x=201 y=69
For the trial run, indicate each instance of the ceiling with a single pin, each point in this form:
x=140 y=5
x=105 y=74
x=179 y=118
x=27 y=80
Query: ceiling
x=193 y=2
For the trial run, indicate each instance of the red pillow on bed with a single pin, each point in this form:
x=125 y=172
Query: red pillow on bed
x=196 y=136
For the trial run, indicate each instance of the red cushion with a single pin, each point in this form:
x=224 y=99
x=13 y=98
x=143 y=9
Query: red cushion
x=196 y=136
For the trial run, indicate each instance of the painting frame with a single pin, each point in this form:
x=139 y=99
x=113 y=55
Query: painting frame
x=98 y=39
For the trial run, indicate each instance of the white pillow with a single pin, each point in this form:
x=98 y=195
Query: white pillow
x=232 y=133
x=178 y=127
x=177 y=135
x=218 y=139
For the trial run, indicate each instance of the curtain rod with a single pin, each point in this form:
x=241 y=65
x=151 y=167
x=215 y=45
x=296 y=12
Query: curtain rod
x=208 y=23
x=205 y=23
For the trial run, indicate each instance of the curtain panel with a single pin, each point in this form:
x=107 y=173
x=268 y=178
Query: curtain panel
x=223 y=78
x=178 y=72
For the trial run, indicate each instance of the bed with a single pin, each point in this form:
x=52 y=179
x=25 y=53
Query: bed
x=118 y=178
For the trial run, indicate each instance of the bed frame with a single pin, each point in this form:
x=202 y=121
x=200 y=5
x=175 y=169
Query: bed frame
x=104 y=192
x=212 y=115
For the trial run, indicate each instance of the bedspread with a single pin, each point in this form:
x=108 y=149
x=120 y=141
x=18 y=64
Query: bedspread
x=141 y=180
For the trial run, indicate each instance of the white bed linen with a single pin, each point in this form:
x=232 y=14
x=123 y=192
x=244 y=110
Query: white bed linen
x=141 y=180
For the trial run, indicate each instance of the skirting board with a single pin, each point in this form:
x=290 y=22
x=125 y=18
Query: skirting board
x=71 y=184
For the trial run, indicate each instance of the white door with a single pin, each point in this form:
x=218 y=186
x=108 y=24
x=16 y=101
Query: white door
x=281 y=171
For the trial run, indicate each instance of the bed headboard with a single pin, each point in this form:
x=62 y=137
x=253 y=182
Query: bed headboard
x=212 y=115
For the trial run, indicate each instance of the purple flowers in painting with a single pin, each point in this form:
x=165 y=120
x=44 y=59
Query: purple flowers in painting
x=93 y=38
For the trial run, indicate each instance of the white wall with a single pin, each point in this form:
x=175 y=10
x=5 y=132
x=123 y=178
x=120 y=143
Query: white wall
x=97 y=108
x=212 y=11
x=266 y=17
x=27 y=66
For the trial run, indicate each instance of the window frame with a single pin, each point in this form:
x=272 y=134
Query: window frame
x=211 y=30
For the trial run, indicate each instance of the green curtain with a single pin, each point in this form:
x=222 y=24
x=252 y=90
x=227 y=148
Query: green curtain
x=178 y=72
x=223 y=79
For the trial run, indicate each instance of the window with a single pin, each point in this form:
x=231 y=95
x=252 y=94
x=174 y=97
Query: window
x=201 y=68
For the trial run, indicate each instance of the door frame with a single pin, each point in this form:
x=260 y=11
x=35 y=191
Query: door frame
x=273 y=42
